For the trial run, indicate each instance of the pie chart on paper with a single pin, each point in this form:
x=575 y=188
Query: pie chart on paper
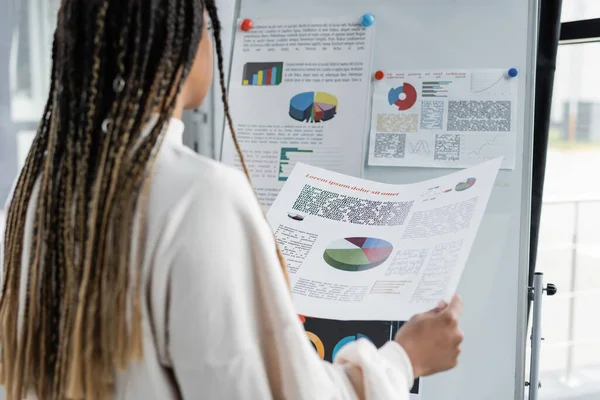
x=403 y=97
x=313 y=107
x=345 y=341
x=355 y=254
x=462 y=186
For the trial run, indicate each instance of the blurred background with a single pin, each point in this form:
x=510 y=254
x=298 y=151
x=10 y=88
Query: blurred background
x=569 y=245
x=569 y=242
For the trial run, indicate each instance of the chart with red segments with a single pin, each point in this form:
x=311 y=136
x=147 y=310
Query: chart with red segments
x=404 y=97
x=356 y=254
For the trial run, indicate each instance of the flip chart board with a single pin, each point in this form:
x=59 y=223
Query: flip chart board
x=467 y=35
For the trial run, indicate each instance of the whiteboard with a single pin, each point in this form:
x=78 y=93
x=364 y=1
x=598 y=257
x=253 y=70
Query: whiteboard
x=463 y=34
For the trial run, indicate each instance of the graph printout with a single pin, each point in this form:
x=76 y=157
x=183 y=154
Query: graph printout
x=299 y=92
x=444 y=119
x=358 y=250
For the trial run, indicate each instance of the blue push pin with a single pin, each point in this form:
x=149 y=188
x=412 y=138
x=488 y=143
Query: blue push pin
x=367 y=20
x=513 y=72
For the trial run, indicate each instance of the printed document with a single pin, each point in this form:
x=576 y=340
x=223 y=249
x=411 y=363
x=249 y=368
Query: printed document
x=444 y=119
x=362 y=250
x=299 y=92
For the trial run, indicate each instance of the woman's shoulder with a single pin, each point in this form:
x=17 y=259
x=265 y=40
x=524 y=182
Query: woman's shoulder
x=187 y=177
x=193 y=197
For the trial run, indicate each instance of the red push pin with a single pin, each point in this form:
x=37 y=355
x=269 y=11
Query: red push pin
x=246 y=25
x=302 y=318
x=379 y=75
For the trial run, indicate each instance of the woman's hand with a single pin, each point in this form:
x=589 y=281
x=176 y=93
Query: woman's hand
x=432 y=340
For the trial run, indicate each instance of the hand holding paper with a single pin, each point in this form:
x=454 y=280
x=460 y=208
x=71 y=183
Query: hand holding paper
x=432 y=340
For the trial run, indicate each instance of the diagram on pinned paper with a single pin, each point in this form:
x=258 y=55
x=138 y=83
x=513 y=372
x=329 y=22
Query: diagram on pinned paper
x=403 y=97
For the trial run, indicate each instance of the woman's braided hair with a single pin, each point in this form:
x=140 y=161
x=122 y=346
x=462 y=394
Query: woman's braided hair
x=117 y=66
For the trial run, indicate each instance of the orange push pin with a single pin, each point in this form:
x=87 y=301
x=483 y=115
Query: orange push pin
x=246 y=25
x=302 y=318
x=379 y=75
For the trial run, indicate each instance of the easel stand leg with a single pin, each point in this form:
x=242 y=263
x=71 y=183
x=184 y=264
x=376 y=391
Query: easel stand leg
x=536 y=332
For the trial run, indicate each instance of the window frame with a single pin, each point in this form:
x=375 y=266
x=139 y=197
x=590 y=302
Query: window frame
x=582 y=31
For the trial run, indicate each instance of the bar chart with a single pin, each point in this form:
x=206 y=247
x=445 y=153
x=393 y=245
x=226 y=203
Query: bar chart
x=327 y=157
x=262 y=74
x=435 y=88
x=289 y=157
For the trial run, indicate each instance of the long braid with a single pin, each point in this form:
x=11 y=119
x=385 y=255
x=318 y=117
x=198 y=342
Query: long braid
x=14 y=249
x=122 y=107
x=132 y=122
x=84 y=39
x=102 y=303
x=25 y=183
x=80 y=349
x=43 y=362
x=15 y=228
x=119 y=216
x=62 y=277
x=133 y=174
x=216 y=23
x=29 y=346
x=135 y=345
x=173 y=78
x=212 y=12
x=66 y=226
x=14 y=362
x=51 y=279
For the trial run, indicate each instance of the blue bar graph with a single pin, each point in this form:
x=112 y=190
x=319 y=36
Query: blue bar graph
x=273 y=76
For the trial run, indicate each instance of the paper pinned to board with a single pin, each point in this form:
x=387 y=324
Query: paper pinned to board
x=299 y=91
x=444 y=119
x=362 y=250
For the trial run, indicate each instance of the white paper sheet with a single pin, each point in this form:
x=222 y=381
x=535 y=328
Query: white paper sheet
x=444 y=118
x=362 y=250
x=299 y=92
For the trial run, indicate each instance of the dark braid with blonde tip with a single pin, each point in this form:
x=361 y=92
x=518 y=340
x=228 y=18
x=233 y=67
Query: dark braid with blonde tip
x=117 y=65
x=216 y=24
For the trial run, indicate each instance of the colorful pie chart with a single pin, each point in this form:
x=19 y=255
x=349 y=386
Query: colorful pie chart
x=356 y=254
x=462 y=186
x=403 y=97
x=313 y=107
x=296 y=217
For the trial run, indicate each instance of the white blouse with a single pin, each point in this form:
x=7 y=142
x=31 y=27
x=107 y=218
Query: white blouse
x=218 y=318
